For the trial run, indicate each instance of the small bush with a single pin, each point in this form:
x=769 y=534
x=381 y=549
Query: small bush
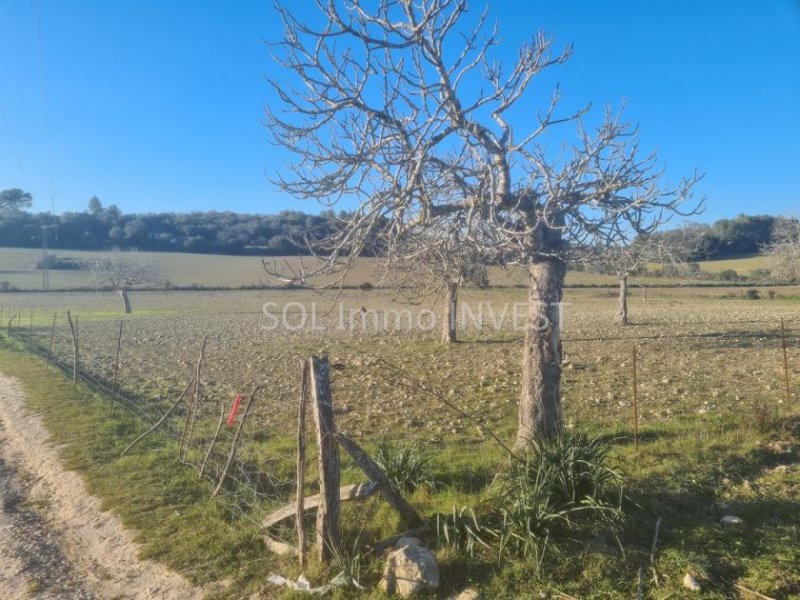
x=366 y=286
x=5 y=286
x=728 y=275
x=772 y=294
x=752 y=294
x=405 y=463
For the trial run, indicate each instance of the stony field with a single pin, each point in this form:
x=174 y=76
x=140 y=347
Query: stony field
x=718 y=433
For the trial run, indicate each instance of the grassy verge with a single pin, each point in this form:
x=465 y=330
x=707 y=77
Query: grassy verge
x=689 y=471
x=169 y=509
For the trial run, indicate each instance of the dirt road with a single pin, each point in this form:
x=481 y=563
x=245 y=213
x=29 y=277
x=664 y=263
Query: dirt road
x=54 y=540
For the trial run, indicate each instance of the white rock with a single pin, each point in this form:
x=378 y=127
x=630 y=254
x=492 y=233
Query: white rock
x=731 y=520
x=690 y=583
x=468 y=594
x=410 y=569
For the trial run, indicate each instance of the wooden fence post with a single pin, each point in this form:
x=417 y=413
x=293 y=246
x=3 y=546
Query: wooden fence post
x=785 y=365
x=301 y=466
x=328 y=532
x=73 y=328
x=191 y=412
x=116 y=366
x=52 y=335
x=635 y=404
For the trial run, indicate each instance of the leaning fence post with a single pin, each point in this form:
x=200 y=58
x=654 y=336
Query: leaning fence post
x=635 y=404
x=52 y=335
x=191 y=412
x=301 y=466
x=785 y=365
x=328 y=532
x=116 y=367
x=73 y=328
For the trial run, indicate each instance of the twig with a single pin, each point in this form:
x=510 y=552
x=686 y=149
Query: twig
x=161 y=420
x=653 y=547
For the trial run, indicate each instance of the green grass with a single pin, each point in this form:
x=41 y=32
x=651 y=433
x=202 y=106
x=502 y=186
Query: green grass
x=690 y=471
x=171 y=512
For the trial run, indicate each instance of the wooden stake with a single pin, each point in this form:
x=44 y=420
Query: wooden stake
x=161 y=420
x=635 y=404
x=191 y=412
x=213 y=441
x=328 y=532
x=73 y=328
x=785 y=364
x=301 y=466
x=116 y=366
x=232 y=453
x=30 y=330
x=52 y=335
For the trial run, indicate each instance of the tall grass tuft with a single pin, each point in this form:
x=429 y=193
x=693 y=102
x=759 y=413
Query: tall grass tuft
x=405 y=463
x=563 y=483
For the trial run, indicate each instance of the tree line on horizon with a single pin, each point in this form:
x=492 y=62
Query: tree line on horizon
x=279 y=234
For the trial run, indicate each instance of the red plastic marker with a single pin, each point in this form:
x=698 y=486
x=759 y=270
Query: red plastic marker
x=234 y=410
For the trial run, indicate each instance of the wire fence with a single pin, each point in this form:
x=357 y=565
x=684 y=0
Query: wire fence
x=206 y=423
x=257 y=468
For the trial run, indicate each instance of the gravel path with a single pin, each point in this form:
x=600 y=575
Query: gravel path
x=54 y=540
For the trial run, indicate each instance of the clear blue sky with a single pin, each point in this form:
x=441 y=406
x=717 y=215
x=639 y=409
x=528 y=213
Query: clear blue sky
x=156 y=105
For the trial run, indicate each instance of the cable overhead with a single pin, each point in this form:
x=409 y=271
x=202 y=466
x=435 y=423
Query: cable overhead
x=14 y=147
x=45 y=104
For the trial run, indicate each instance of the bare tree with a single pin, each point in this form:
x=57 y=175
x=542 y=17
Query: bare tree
x=432 y=263
x=400 y=106
x=123 y=271
x=785 y=250
x=672 y=253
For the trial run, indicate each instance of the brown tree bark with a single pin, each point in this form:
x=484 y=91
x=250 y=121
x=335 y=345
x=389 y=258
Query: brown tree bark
x=622 y=311
x=540 y=413
x=126 y=303
x=449 y=332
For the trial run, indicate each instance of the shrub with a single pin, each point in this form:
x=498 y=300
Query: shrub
x=752 y=294
x=772 y=294
x=728 y=275
x=366 y=287
x=405 y=464
x=5 y=286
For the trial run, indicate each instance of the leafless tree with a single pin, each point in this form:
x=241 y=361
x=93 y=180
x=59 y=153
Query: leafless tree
x=400 y=106
x=123 y=271
x=434 y=263
x=672 y=253
x=785 y=250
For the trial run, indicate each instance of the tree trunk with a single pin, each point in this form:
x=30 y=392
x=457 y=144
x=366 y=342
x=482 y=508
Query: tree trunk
x=449 y=334
x=540 y=414
x=622 y=311
x=125 y=302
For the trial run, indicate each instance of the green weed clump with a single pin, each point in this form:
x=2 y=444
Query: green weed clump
x=405 y=463
x=567 y=482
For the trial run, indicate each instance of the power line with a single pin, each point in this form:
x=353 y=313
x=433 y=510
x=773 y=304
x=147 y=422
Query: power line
x=14 y=147
x=45 y=105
